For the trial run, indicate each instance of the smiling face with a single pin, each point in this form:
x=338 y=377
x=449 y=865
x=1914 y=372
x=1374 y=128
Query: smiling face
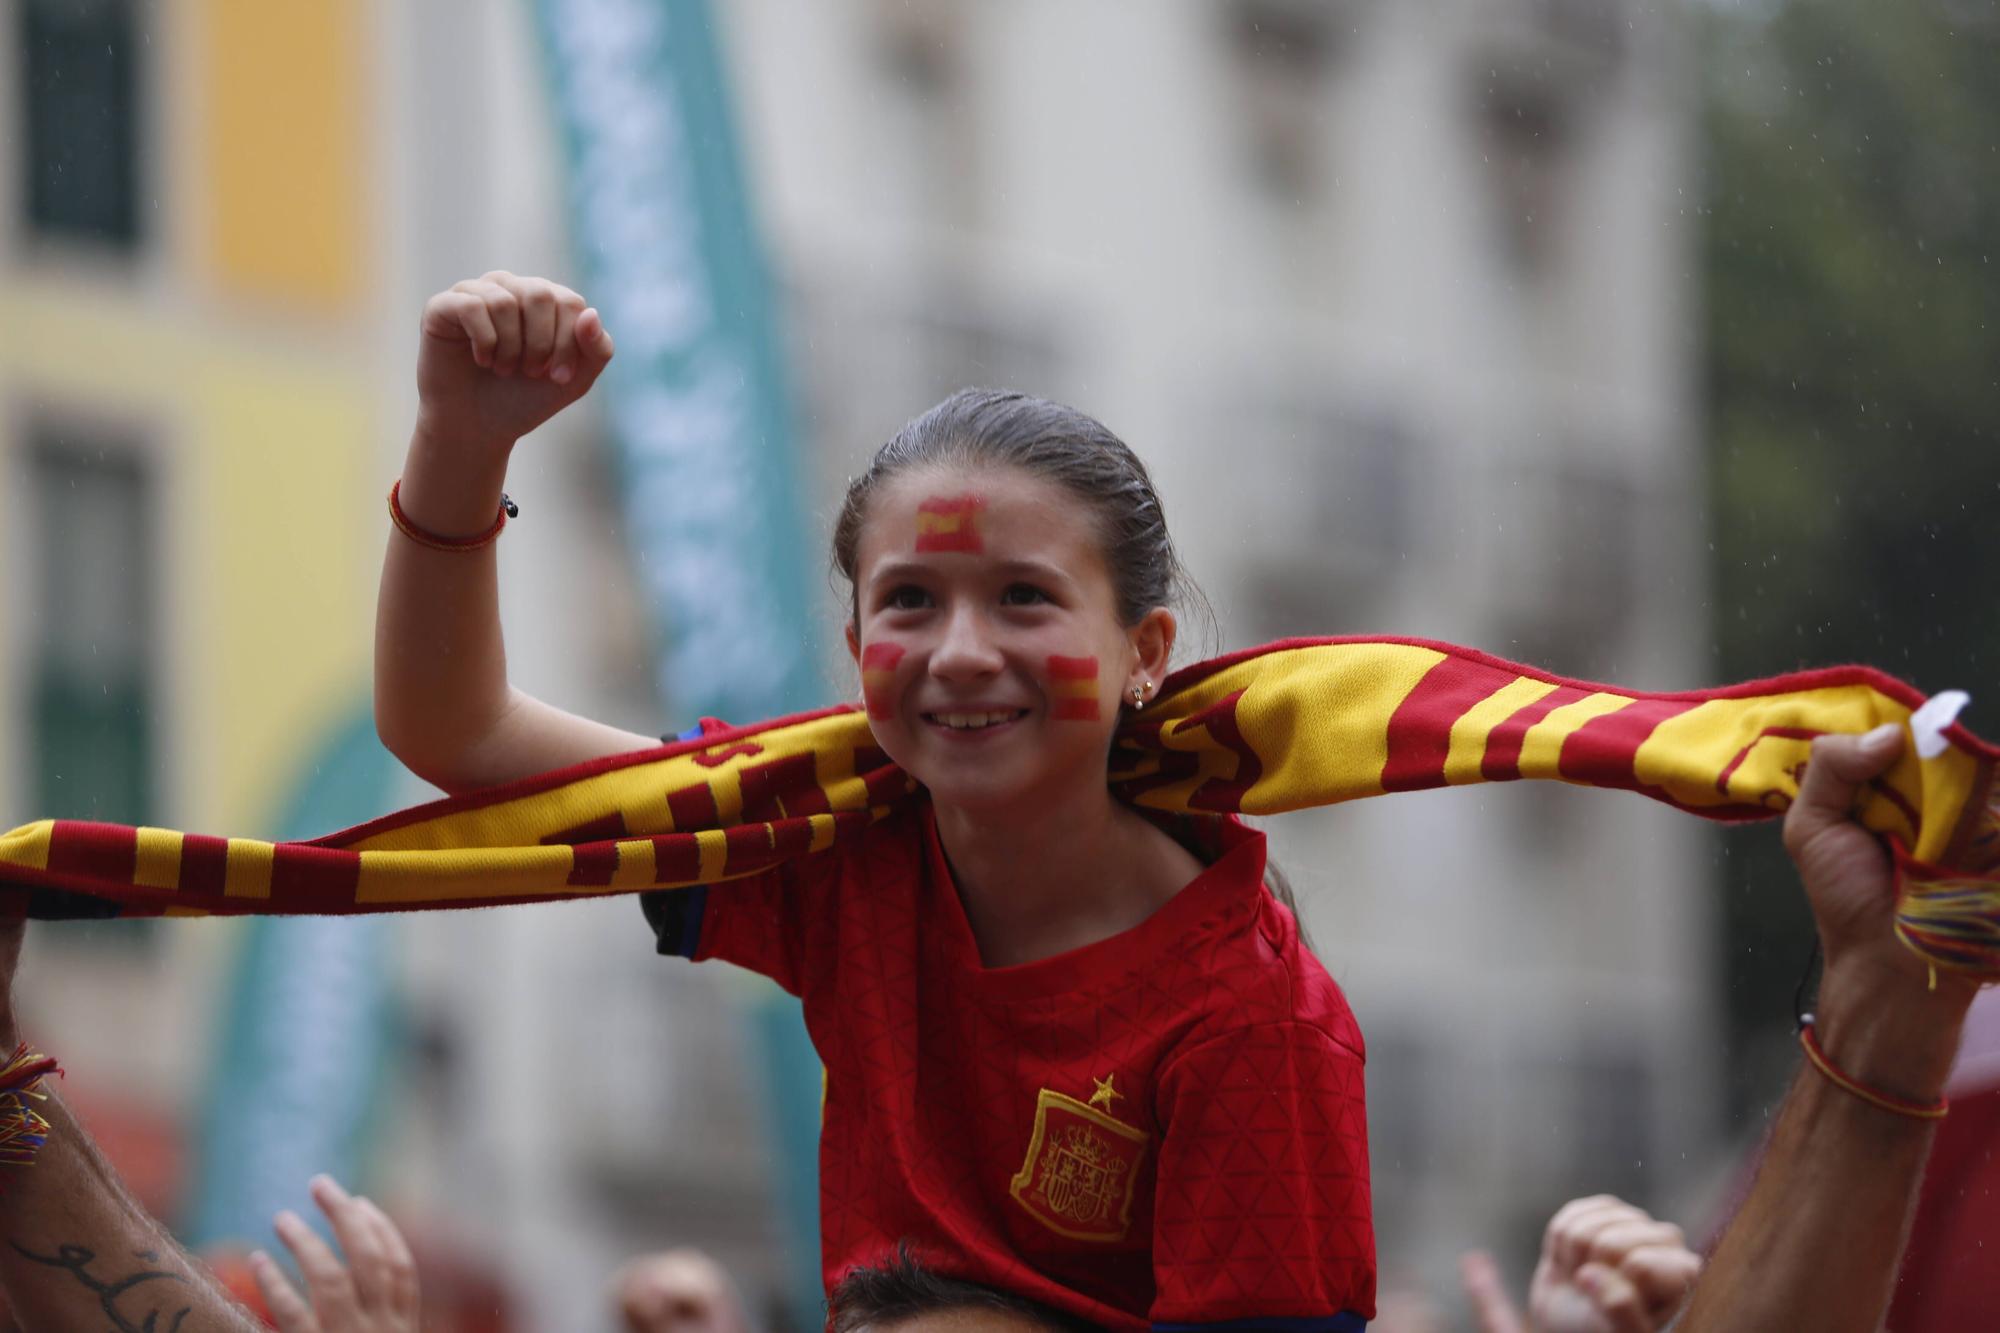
x=992 y=658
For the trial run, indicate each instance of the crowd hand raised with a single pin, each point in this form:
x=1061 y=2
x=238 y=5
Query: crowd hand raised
x=678 y=1291
x=1606 y=1267
x=375 y=1291
x=500 y=354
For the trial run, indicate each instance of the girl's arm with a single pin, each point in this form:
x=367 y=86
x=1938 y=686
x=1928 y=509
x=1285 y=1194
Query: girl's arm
x=498 y=356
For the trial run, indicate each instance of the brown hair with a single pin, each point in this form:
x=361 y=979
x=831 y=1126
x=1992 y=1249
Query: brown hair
x=989 y=428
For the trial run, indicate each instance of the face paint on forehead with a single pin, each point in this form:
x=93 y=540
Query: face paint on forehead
x=878 y=678
x=1073 y=687
x=952 y=523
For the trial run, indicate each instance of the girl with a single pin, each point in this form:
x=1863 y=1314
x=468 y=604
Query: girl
x=1072 y=1051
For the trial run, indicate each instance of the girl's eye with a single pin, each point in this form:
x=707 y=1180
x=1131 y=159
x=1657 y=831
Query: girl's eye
x=1023 y=594
x=908 y=597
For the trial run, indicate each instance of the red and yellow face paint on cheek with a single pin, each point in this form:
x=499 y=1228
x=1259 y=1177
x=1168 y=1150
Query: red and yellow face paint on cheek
x=1073 y=689
x=951 y=523
x=878 y=678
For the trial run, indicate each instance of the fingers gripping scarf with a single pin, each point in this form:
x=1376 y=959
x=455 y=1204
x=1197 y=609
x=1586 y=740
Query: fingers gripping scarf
x=1303 y=722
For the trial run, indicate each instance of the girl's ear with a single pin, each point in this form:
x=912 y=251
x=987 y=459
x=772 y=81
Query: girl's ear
x=853 y=643
x=1152 y=645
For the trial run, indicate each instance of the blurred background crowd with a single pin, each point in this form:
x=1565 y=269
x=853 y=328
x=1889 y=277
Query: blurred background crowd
x=1642 y=341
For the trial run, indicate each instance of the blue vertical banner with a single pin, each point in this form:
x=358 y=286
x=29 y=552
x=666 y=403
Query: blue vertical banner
x=701 y=426
x=700 y=419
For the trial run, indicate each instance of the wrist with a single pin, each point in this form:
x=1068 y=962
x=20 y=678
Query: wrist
x=450 y=485
x=462 y=445
x=1892 y=1032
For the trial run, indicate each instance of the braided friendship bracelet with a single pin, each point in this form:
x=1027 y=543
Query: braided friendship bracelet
x=422 y=537
x=1886 y=1101
x=23 y=1131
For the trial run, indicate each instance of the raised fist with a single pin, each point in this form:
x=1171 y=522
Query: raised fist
x=501 y=354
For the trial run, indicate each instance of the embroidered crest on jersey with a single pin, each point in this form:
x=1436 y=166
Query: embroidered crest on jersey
x=1081 y=1171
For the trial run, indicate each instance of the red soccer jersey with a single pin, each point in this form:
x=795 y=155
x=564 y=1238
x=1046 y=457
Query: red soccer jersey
x=1166 y=1126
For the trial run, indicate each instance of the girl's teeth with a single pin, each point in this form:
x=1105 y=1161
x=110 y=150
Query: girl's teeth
x=971 y=721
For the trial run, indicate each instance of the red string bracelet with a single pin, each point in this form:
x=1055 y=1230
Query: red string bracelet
x=422 y=537
x=1885 y=1100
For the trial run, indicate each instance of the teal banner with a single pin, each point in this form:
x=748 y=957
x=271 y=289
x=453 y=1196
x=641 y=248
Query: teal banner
x=701 y=422
x=702 y=429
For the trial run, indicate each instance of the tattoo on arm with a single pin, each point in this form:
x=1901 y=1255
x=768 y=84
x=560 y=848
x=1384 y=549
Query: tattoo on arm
x=77 y=1259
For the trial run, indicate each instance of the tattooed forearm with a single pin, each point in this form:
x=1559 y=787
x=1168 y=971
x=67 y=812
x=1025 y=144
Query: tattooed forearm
x=76 y=1261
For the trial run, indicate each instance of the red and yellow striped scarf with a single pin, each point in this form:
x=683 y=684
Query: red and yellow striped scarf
x=1300 y=723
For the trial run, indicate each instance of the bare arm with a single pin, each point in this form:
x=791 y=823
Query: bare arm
x=78 y=1252
x=497 y=357
x=75 y=1250
x=1819 y=1240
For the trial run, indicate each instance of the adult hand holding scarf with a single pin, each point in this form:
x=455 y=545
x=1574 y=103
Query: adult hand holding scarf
x=1299 y=723
x=1818 y=1242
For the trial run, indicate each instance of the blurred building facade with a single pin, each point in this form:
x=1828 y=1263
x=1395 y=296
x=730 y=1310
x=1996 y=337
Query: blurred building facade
x=1397 y=301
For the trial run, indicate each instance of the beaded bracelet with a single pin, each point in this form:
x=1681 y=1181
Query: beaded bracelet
x=1886 y=1101
x=423 y=537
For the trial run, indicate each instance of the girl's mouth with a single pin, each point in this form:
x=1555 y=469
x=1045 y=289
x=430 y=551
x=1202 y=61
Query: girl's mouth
x=975 y=721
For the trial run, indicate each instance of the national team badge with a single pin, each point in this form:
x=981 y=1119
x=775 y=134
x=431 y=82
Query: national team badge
x=1082 y=1168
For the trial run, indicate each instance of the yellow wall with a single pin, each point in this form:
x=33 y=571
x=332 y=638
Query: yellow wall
x=267 y=463
x=284 y=108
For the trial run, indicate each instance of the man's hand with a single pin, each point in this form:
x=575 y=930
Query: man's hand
x=680 y=1291
x=501 y=354
x=1906 y=1045
x=1606 y=1267
x=375 y=1291
x=1817 y=1242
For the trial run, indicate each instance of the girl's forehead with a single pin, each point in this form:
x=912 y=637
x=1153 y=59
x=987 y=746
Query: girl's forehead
x=976 y=511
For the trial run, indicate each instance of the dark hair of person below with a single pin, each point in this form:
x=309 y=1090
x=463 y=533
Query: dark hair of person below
x=901 y=1287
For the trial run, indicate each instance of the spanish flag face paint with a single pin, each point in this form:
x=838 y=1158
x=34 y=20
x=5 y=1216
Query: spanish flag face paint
x=952 y=523
x=878 y=678
x=1073 y=689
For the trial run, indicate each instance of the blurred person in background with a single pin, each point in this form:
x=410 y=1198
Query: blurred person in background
x=902 y=1294
x=678 y=1291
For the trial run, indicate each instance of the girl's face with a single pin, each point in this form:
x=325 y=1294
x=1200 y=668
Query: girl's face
x=992 y=660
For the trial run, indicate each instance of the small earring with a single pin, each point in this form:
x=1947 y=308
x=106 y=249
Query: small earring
x=1138 y=697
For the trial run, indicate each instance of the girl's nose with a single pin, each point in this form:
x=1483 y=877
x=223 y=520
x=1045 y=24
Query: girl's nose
x=967 y=650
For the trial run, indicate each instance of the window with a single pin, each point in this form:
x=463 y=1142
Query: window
x=79 y=81
x=90 y=662
x=928 y=135
x=1332 y=535
x=1565 y=574
x=1281 y=51
x=1525 y=131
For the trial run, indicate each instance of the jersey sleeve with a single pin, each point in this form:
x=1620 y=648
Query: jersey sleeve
x=1262 y=1206
x=757 y=922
